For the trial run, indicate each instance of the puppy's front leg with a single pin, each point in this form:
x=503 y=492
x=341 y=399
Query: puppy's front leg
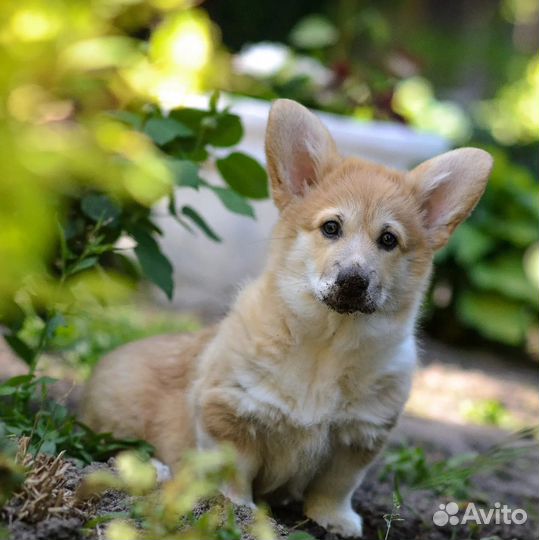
x=328 y=499
x=218 y=422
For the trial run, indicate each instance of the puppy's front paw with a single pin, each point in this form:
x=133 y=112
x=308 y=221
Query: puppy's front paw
x=162 y=471
x=236 y=497
x=340 y=520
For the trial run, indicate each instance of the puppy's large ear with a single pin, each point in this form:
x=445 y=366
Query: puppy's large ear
x=299 y=150
x=449 y=186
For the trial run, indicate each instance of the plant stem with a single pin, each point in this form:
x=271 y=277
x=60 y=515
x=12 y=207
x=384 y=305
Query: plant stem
x=43 y=338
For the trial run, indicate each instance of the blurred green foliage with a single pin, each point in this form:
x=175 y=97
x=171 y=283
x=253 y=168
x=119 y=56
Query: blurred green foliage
x=89 y=151
x=409 y=468
x=168 y=513
x=86 y=336
x=26 y=410
x=94 y=136
x=94 y=221
x=11 y=474
x=488 y=274
x=490 y=412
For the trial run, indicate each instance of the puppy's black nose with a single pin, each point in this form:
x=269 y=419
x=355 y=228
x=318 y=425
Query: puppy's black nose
x=352 y=279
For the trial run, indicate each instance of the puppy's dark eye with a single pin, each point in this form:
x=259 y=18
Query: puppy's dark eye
x=388 y=241
x=331 y=229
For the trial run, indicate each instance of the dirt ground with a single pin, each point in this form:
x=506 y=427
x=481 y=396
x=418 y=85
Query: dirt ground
x=413 y=520
x=435 y=421
x=515 y=484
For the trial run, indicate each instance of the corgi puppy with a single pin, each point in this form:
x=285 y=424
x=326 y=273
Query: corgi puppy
x=312 y=367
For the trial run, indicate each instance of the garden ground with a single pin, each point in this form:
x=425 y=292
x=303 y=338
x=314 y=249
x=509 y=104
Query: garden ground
x=455 y=391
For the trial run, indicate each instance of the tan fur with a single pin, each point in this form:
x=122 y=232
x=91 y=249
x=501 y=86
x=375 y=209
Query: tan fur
x=306 y=394
x=140 y=390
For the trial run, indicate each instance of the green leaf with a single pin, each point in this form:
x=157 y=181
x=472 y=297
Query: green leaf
x=130 y=118
x=105 y=518
x=199 y=221
x=7 y=390
x=99 y=208
x=52 y=325
x=218 y=129
x=227 y=130
x=144 y=222
x=174 y=213
x=244 y=175
x=98 y=249
x=74 y=227
x=198 y=154
x=81 y=265
x=18 y=380
x=164 y=130
x=494 y=316
x=300 y=535
x=234 y=202
x=155 y=265
x=13 y=384
x=185 y=173
x=45 y=380
x=48 y=447
x=20 y=348
x=191 y=118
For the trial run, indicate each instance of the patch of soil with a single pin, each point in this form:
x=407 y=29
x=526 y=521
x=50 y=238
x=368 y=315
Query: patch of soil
x=413 y=521
x=51 y=529
x=71 y=522
x=244 y=518
x=374 y=501
x=451 y=381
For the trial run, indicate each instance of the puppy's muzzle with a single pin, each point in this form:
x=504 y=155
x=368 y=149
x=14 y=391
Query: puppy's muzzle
x=350 y=292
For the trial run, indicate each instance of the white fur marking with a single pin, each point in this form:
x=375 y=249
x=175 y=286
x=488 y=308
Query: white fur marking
x=163 y=471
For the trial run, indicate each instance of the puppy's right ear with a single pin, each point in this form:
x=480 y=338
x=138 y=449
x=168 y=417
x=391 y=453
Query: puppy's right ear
x=299 y=150
x=448 y=187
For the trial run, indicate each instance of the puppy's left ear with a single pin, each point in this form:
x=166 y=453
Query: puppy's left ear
x=448 y=187
x=299 y=151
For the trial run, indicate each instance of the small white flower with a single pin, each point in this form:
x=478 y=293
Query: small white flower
x=262 y=60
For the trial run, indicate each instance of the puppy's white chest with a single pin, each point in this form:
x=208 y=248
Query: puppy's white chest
x=305 y=391
x=323 y=385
